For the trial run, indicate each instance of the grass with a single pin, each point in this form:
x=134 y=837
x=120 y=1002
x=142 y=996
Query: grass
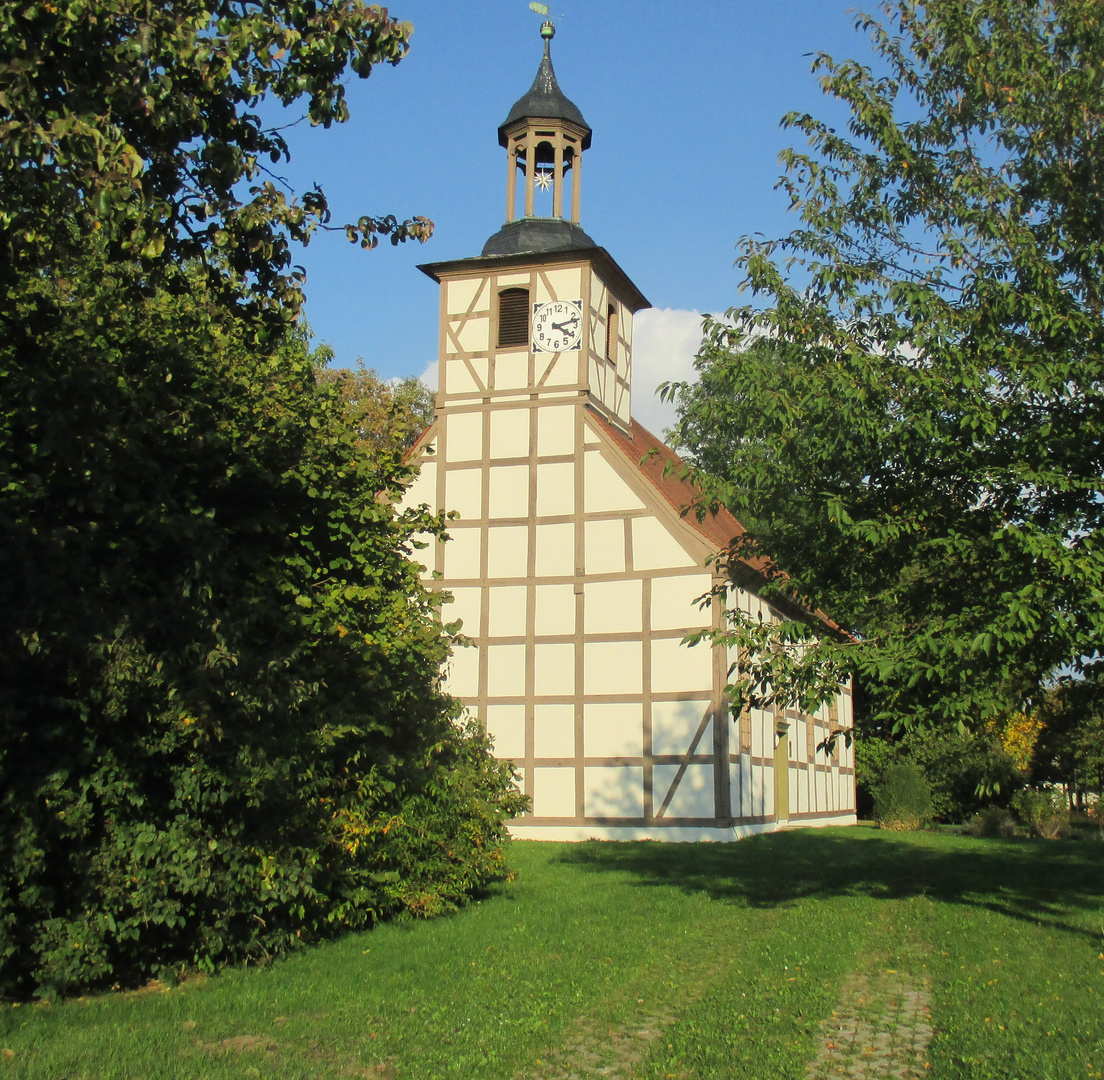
x=725 y=956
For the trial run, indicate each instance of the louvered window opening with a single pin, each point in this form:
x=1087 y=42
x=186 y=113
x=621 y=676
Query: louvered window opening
x=513 y=317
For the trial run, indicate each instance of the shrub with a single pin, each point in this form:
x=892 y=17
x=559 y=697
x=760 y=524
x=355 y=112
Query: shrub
x=1044 y=811
x=873 y=755
x=992 y=821
x=221 y=733
x=1095 y=813
x=902 y=798
x=968 y=770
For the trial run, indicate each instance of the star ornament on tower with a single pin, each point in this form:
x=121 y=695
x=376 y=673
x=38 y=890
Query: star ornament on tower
x=543 y=179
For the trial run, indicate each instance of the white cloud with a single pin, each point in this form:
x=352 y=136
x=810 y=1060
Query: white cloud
x=665 y=341
x=429 y=375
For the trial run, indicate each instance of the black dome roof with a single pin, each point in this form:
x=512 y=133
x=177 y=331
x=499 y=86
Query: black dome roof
x=545 y=101
x=534 y=235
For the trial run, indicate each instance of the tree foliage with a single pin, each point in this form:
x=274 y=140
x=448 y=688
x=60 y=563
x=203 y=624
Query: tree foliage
x=911 y=425
x=221 y=732
x=387 y=416
x=1070 y=748
x=139 y=120
x=221 y=729
x=967 y=770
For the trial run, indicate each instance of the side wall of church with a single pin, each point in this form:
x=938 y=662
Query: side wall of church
x=820 y=781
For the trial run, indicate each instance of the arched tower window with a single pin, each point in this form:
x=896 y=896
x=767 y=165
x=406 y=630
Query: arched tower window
x=611 y=333
x=513 y=317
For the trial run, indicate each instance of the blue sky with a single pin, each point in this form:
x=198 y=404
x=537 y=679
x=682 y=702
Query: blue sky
x=684 y=99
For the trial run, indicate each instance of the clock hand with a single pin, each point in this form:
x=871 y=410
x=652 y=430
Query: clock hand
x=573 y=322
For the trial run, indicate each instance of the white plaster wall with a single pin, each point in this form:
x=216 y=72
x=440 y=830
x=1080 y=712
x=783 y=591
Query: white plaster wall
x=456 y=378
x=674 y=725
x=613 y=791
x=613 y=730
x=474 y=335
x=555 y=610
x=739 y=780
x=565 y=283
x=622 y=408
x=612 y=607
x=461 y=553
x=654 y=548
x=511 y=371
x=604 y=490
x=555 y=555
x=464 y=492
x=507 y=551
x=604 y=546
x=462 y=672
x=505 y=670
x=460 y=294
x=553 y=731
x=466 y=606
x=561 y=369
x=673 y=601
x=762 y=733
x=679 y=668
x=555 y=430
x=509 y=433
x=508 y=493
x=612 y=667
x=555 y=489
x=463 y=436
x=506 y=606
x=554 y=792
x=553 y=669
x=692 y=798
x=423 y=488
x=596 y=375
x=506 y=725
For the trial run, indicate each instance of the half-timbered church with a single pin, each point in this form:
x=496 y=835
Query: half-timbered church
x=574 y=573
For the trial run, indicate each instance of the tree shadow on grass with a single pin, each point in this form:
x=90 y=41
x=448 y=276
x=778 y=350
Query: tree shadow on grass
x=1044 y=883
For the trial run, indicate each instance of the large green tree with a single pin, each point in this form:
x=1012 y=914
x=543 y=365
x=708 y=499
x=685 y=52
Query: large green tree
x=139 y=119
x=908 y=417
x=221 y=732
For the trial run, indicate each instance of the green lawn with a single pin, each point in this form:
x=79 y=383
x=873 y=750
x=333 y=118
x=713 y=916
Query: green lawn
x=665 y=961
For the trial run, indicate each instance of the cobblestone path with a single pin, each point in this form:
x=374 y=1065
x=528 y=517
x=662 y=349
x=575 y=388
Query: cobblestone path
x=880 y=1029
x=609 y=1052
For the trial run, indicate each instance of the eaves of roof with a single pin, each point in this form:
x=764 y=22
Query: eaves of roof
x=665 y=472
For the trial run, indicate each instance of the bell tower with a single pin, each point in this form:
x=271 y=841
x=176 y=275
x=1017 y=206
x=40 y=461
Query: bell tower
x=542 y=314
x=544 y=136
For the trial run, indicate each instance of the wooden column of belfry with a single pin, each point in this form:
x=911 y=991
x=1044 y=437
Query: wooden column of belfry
x=569 y=562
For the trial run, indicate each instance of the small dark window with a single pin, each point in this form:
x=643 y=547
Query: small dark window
x=513 y=317
x=611 y=333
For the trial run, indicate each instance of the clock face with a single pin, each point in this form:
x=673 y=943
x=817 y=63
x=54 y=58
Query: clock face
x=557 y=325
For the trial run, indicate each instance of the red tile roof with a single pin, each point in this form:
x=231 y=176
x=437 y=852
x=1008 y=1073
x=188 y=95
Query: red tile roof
x=667 y=473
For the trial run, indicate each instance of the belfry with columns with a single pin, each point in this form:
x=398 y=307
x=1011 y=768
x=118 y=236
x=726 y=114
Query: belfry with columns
x=569 y=562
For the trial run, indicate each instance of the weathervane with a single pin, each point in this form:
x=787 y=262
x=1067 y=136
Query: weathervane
x=548 y=27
